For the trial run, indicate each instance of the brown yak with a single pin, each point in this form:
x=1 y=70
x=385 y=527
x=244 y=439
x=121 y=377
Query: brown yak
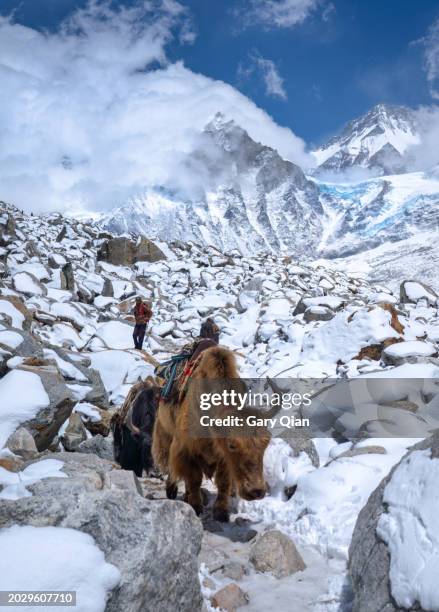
x=234 y=462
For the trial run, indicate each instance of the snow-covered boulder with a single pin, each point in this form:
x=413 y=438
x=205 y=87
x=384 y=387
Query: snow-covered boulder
x=22 y=397
x=346 y=334
x=71 y=313
x=283 y=466
x=15 y=309
x=116 y=335
x=318 y=313
x=245 y=300
x=275 y=309
x=35 y=268
x=153 y=544
x=47 y=419
x=163 y=329
x=412 y=291
x=21 y=343
x=411 y=351
x=10 y=339
x=393 y=556
x=330 y=301
x=119 y=370
x=27 y=283
x=56 y=261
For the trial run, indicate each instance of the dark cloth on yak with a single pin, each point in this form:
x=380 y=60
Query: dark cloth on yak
x=202 y=345
x=209 y=329
x=139 y=335
x=133 y=450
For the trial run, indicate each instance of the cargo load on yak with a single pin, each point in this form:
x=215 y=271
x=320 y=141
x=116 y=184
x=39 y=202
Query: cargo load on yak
x=176 y=370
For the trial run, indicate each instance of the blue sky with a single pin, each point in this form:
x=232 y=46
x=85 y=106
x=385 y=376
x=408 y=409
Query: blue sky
x=346 y=56
x=101 y=101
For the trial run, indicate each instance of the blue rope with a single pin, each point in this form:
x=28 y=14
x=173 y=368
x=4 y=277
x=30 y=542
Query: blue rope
x=170 y=372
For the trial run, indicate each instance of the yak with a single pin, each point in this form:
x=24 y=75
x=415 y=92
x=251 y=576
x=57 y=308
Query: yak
x=234 y=461
x=133 y=427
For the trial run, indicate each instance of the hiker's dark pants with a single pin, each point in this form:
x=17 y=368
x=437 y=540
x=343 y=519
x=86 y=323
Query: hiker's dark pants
x=139 y=335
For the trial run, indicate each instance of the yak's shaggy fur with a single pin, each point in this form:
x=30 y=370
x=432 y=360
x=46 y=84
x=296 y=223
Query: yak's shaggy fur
x=234 y=462
x=132 y=443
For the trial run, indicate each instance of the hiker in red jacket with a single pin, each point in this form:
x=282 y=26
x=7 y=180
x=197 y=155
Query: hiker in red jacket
x=142 y=314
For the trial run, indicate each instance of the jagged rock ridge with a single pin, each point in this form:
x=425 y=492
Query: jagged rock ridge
x=376 y=140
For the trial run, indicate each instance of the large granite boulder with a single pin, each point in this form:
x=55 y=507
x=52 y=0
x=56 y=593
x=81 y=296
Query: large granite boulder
x=392 y=558
x=99 y=445
x=125 y=252
x=146 y=250
x=154 y=544
x=47 y=422
x=98 y=394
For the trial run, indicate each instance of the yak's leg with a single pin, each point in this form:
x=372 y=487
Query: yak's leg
x=182 y=466
x=171 y=488
x=193 y=479
x=161 y=444
x=224 y=486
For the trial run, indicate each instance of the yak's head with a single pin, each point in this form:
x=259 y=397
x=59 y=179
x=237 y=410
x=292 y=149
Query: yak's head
x=245 y=458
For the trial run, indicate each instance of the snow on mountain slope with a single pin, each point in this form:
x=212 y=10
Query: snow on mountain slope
x=353 y=218
x=414 y=257
x=256 y=202
x=378 y=211
x=253 y=199
x=375 y=141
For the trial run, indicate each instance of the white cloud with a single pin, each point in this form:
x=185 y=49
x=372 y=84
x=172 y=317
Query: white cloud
x=431 y=42
x=425 y=155
x=95 y=114
x=267 y=71
x=278 y=13
x=274 y=83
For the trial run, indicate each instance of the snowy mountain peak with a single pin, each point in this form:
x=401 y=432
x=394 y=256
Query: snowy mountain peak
x=250 y=199
x=376 y=140
x=219 y=122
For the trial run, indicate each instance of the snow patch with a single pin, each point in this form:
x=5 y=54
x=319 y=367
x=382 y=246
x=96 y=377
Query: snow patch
x=411 y=530
x=56 y=559
x=22 y=396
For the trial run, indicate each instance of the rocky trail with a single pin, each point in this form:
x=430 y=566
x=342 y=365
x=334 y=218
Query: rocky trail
x=66 y=364
x=237 y=567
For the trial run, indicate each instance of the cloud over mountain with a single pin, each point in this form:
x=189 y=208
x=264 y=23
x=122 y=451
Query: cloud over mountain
x=95 y=112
